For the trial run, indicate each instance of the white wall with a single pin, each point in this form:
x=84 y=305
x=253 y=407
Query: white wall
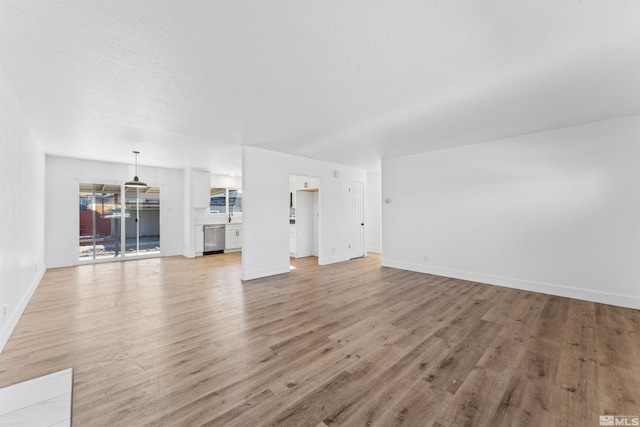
x=265 y=174
x=226 y=181
x=63 y=176
x=556 y=212
x=21 y=216
x=373 y=213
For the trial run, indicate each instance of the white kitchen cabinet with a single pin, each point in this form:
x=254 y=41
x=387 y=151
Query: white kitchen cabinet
x=200 y=188
x=199 y=239
x=233 y=238
x=292 y=241
x=314 y=182
x=292 y=189
x=306 y=182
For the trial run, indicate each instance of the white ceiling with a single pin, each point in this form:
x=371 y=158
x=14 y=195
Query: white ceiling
x=188 y=83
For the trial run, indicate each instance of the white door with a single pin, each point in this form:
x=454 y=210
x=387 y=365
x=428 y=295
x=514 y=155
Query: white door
x=356 y=245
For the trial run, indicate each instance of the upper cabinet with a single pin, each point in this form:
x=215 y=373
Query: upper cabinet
x=305 y=182
x=300 y=183
x=200 y=188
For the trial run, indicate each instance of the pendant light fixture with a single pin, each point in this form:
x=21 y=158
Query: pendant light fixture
x=136 y=182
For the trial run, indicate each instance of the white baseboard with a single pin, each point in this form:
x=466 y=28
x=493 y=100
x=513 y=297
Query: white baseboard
x=189 y=254
x=527 y=285
x=12 y=321
x=332 y=259
x=57 y=263
x=172 y=253
x=375 y=250
x=265 y=272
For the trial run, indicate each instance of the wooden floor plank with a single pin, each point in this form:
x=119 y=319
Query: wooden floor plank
x=177 y=341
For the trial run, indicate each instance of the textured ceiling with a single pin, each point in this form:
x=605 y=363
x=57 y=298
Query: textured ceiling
x=188 y=83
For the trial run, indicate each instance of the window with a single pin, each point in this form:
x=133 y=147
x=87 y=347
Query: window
x=218 y=201
x=225 y=200
x=235 y=200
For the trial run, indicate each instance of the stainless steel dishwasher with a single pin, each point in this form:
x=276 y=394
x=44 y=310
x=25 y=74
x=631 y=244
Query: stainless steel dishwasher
x=213 y=239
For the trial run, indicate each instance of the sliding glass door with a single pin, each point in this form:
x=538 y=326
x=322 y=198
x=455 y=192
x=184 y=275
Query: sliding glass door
x=111 y=225
x=142 y=226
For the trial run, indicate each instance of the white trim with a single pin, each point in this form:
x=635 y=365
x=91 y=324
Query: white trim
x=333 y=259
x=364 y=233
x=375 y=250
x=103 y=260
x=265 y=272
x=527 y=285
x=12 y=321
x=176 y=252
x=58 y=264
x=45 y=400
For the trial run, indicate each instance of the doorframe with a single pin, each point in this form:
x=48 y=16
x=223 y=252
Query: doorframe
x=320 y=193
x=364 y=252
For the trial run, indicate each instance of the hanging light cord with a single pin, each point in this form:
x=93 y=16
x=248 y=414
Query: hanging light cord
x=136 y=153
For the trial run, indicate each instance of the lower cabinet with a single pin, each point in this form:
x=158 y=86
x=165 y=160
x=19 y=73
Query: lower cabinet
x=292 y=241
x=199 y=240
x=233 y=238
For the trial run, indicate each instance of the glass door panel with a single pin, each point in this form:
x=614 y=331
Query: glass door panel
x=99 y=214
x=142 y=221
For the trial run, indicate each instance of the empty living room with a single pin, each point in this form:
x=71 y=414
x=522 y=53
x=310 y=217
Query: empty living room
x=336 y=213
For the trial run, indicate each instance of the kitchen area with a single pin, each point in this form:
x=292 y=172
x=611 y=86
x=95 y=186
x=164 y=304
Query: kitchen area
x=216 y=213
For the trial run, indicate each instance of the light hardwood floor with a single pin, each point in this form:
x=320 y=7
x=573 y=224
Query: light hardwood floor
x=178 y=341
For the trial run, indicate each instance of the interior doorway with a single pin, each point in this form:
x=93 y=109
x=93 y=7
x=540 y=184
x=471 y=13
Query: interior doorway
x=356 y=241
x=307 y=223
x=304 y=216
